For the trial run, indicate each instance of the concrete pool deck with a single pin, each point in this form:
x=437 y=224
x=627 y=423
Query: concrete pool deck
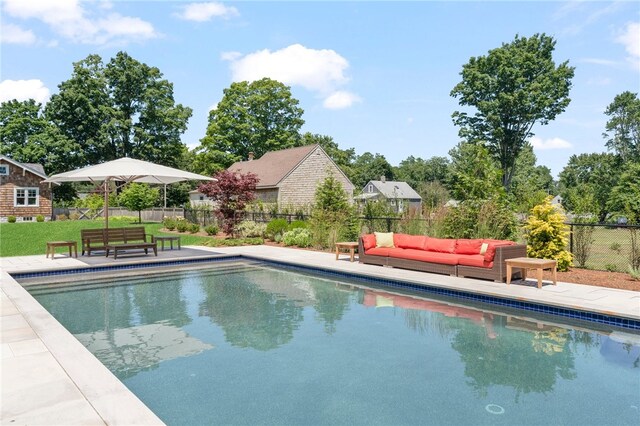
x=48 y=377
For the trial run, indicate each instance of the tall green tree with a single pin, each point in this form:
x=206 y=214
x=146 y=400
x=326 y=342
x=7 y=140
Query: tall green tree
x=625 y=195
x=138 y=196
x=595 y=174
x=417 y=171
x=474 y=174
x=623 y=128
x=512 y=88
x=531 y=183
x=256 y=117
x=368 y=167
x=28 y=137
x=123 y=108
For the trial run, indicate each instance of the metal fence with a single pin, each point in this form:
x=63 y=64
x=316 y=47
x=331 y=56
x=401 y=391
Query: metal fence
x=148 y=215
x=605 y=247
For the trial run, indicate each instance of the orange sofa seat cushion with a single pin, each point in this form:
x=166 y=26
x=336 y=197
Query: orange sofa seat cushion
x=440 y=245
x=464 y=246
x=378 y=251
x=368 y=241
x=425 y=256
x=475 y=260
x=406 y=241
x=491 y=248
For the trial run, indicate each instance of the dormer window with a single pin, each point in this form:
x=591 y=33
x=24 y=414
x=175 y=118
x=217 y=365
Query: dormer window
x=4 y=170
x=370 y=188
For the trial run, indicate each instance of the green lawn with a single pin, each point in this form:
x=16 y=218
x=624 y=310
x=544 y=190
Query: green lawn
x=23 y=239
x=610 y=249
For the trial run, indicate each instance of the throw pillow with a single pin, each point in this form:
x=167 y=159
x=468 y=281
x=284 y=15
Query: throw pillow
x=465 y=246
x=483 y=248
x=368 y=241
x=384 y=239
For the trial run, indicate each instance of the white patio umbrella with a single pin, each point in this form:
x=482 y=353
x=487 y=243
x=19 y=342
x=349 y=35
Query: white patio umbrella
x=125 y=170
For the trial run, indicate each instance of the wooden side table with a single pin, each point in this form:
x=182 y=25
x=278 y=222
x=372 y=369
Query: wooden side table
x=349 y=245
x=162 y=239
x=51 y=247
x=539 y=265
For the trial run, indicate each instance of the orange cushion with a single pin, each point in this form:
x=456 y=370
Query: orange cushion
x=425 y=256
x=368 y=241
x=468 y=246
x=474 y=260
x=378 y=251
x=440 y=245
x=409 y=241
x=491 y=249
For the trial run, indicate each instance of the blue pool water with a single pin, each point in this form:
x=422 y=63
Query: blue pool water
x=247 y=343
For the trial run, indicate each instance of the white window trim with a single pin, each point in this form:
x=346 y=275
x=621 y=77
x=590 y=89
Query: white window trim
x=26 y=194
x=7 y=166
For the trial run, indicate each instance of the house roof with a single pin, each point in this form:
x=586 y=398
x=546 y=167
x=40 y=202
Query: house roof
x=395 y=189
x=34 y=168
x=274 y=166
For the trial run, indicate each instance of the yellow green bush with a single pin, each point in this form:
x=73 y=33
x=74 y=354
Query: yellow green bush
x=546 y=234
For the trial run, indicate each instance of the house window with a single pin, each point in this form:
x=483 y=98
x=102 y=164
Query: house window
x=26 y=197
x=202 y=198
x=370 y=188
x=4 y=170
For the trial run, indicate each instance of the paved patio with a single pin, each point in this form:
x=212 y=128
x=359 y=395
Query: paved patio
x=48 y=377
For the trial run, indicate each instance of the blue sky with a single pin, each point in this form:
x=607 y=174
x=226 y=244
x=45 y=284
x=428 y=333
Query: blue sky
x=376 y=76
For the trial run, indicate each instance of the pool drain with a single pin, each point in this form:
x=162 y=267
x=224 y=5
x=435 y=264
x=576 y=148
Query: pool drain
x=494 y=409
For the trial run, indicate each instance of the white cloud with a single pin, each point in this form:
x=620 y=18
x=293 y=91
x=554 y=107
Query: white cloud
x=340 y=100
x=23 y=90
x=13 y=34
x=321 y=71
x=230 y=56
x=598 y=61
x=599 y=81
x=69 y=19
x=630 y=38
x=546 y=144
x=201 y=12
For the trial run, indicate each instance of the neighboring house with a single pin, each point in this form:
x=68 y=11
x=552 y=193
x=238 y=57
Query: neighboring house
x=197 y=198
x=400 y=196
x=22 y=193
x=290 y=177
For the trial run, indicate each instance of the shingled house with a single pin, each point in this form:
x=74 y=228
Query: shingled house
x=22 y=193
x=400 y=196
x=289 y=177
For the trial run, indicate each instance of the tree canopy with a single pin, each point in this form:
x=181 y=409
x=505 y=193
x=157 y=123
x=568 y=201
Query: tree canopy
x=474 y=174
x=512 y=88
x=623 y=128
x=123 y=108
x=368 y=167
x=256 y=117
x=417 y=171
x=138 y=196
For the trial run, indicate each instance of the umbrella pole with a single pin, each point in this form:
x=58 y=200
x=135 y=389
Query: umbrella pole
x=106 y=204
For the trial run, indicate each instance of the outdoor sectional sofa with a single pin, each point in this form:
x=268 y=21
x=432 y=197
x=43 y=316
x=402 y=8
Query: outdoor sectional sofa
x=453 y=257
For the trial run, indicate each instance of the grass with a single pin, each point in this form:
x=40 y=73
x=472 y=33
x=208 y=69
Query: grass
x=30 y=238
x=610 y=250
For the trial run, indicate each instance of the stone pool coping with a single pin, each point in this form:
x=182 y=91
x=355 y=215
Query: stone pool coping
x=49 y=377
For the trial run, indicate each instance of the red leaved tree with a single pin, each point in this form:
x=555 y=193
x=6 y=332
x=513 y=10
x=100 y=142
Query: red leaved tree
x=231 y=193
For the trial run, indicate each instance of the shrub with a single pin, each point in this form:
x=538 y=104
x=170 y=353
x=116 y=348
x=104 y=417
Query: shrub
x=547 y=234
x=276 y=228
x=610 y=267
x=218 y=242
x=194 y=228
x=249 y=228
x=11 y=219
x=634 y=273
x=39 y=218
x=169 y=223
x=480 y=219
x=183 y=226
x=211 y=229
x=61 y=217
x=297 y=237
x=74 y=216
x=582 y=242
x=615 y=247
x=296 y=224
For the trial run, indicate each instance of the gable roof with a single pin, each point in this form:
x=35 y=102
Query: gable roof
x=274 y=166
x=395 y=189
x=34 y=168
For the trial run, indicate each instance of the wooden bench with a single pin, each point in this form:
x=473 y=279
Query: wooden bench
x=116 y=239
x=133 y=238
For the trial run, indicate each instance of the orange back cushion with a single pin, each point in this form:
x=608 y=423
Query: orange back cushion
x=368 y=241
x=440 y=245
x=468 y=246
x=491 y=249
x=406 y=241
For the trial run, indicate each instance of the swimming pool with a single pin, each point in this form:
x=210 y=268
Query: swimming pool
x=246 y=343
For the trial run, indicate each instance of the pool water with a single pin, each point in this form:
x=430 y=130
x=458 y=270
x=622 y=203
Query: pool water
x=245 y=343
